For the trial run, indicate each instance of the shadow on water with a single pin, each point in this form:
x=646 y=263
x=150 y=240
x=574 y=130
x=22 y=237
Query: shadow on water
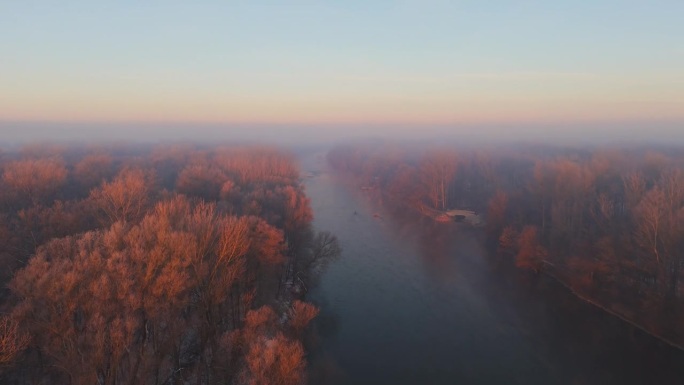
x=414 y=301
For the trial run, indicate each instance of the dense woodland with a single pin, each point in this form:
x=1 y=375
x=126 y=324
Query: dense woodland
x=172 y=264
x=606 y=222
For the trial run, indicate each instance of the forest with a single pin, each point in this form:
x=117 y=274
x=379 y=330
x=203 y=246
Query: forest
x=606 y=222
x=166 y=264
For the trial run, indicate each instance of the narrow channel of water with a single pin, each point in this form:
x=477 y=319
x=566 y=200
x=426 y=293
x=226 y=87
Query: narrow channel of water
x=412 y=301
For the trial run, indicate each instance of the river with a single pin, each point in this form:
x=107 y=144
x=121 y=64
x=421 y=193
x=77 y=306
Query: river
x=411 y=301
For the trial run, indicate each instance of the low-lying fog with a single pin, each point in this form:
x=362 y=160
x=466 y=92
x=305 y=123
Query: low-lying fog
x=654 y=132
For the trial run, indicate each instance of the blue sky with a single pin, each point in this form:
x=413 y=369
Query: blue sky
x=355 y=63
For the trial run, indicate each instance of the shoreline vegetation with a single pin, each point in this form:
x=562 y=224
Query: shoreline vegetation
x=155 y=265
x=605 y=223
x=614 y=313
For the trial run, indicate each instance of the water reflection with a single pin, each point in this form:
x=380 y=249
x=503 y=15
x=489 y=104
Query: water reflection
x=413 y=301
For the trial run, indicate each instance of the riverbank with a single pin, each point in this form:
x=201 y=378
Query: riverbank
x=416 y=301
x=441 y=217
x=615 y=313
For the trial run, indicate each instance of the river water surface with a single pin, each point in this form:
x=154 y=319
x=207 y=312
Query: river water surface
x=411 y=301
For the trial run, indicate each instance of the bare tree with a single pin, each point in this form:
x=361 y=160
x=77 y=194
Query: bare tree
x=13 y=341
x=438 y=169
x=35 y=180
x=126 y=198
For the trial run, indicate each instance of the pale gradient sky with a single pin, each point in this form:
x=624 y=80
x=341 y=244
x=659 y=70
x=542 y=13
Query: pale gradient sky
x=342 y=63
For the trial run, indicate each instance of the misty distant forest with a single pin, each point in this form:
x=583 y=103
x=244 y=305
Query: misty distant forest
x=192 y=264
x=607 y=222
x=155 y=265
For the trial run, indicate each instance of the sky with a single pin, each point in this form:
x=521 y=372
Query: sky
x=355 y=67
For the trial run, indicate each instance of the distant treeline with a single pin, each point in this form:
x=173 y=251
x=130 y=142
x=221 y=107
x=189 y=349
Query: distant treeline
x=155 y=265
x=607 y=222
